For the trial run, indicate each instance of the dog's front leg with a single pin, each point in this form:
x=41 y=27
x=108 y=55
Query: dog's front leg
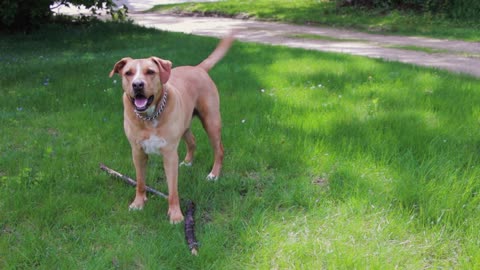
x=170 y=164
x=140 y=161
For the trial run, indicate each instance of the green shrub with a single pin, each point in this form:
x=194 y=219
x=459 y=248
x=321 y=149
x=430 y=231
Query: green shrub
x=384 y=4
x=462 y=9
x=457 y=9
x=25 y=15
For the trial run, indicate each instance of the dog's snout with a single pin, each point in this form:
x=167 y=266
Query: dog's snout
x=138 y=85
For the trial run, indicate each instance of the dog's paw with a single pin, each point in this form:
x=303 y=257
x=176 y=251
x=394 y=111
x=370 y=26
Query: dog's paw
x=137 y=204
x=175 y=216
x=134 y=207
x=185 y=164
x=212 y=177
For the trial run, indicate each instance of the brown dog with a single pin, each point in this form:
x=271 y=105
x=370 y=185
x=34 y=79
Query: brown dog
x=159 y=104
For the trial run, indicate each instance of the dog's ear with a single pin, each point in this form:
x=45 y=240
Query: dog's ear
x=165 y=67
x=119 y=66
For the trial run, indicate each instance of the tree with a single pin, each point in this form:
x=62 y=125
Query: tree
x=456 y=9
x=24 y=15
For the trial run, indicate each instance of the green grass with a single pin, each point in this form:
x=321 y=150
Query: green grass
x=324 y=38
x=327 y=13
x=417 y=49
x=332 y=161
x=402 y=47
x=431 y=50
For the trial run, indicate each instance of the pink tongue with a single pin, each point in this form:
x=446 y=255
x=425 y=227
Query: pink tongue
x=140 y=102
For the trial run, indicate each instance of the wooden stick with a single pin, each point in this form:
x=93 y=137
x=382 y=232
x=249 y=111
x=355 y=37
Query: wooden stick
x=189 y=215
x=130 y=181
x=190 y=228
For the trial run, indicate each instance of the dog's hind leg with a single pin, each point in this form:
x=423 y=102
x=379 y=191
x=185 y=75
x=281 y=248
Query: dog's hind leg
x=190 y=142
x=213 y=127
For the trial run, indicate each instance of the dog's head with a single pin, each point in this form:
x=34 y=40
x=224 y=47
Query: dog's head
x=143 y=79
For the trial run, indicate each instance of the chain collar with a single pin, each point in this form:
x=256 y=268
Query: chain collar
x=161 y=108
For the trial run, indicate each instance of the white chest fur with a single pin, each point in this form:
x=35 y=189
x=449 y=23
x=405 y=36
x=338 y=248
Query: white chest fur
x=153 y=144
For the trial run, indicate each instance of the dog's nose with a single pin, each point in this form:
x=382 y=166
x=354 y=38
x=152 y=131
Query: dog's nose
x=138 y=85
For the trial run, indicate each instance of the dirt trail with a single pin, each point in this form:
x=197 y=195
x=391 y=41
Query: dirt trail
x=455 y=56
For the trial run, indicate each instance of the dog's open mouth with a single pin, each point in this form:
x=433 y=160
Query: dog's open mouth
x=141 y=102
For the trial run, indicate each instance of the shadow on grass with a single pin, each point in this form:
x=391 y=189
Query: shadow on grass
x=376 y=132
x=64 y=94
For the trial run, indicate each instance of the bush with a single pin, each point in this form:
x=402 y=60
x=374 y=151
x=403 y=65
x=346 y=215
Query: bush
x=455 y=9
x=462 y=9
x=25 y=15
x=384 y=4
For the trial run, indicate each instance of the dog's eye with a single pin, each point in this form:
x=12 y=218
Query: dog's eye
x=128 y=73
x=150 y=72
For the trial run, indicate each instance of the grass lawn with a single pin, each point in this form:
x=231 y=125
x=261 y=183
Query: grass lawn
x=332 y=161
x=326 y=12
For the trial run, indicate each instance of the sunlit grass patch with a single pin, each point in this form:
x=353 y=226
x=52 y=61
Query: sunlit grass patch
x=417 y=48
x=322 y=37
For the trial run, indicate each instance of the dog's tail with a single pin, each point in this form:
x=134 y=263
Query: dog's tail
x=218 y=53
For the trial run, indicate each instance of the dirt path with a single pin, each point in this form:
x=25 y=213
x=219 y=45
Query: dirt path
x=455 y=56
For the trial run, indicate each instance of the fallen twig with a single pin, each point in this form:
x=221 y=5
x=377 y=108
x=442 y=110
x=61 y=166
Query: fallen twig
x=189 y=213
x=190 y=228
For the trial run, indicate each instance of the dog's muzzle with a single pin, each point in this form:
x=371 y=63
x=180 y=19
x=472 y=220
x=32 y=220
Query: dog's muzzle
x=140 y=101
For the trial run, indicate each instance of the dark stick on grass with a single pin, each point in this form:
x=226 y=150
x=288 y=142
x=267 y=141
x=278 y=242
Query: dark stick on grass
x=130 y=181
x=189 y=213
x=190 y=228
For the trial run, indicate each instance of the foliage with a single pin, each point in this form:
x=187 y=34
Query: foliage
x=25 y=15
x=458 y=9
